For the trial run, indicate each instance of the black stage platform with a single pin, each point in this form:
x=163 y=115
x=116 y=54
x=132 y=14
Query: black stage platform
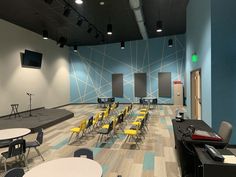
x=41 y=118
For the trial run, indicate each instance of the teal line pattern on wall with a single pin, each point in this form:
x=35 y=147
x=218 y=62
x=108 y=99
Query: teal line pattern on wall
x=91 y=68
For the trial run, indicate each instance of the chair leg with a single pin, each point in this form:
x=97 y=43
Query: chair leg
x=136 y=142
x=70 y=137
x=98 y=140
x=39 y=153
x=5 y=164
x=126 y=138
x=28 y=153
x=25 y=161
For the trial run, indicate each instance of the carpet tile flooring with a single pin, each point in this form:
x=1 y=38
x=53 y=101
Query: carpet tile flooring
x=155 y=158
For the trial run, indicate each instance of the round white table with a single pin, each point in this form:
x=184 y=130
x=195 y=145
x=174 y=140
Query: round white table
x=13 y=133
x=67 y=167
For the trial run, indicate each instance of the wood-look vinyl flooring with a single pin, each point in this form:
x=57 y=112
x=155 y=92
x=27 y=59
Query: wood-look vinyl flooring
x=155 y=158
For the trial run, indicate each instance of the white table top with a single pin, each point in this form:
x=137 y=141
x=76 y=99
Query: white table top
x=67 y=167
x=12 y=133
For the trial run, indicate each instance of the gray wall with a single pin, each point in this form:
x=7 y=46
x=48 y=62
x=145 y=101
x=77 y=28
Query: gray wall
x=50 y=84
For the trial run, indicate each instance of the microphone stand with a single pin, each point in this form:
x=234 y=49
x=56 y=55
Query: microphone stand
x=30 y=96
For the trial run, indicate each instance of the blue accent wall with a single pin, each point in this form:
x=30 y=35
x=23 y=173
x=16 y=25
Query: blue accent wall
x=198 y=39
x=91 y=68
x=224 y=64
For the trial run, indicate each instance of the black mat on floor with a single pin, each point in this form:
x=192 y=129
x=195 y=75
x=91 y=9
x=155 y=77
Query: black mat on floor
x=41 y=118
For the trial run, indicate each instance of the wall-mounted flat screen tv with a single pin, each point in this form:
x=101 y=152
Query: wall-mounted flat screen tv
x=32 y=59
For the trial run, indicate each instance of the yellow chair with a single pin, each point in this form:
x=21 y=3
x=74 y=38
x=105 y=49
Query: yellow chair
x=106 y=116
x=143 y=110
x=135 y=134
x=96 y=120
x=139 y=119
x=104 y=131
x=89 y=125
x=106 y=126
x=113 y=108
x=77 y=130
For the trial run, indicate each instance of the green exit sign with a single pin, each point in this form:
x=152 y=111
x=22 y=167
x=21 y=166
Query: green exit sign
x=194 y=58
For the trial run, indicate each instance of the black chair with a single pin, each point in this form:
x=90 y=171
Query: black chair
x=155 y=102
x=141 y=101
x=225 y=131
x=16 y=148
x=89 y=124
x=84 y=152
x=36 y=143
x=15 y=172
x=112 y=99
x=100 y=102
x=5 y=143
x=104 y=131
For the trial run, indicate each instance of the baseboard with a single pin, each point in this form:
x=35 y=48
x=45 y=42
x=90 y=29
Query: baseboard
x=23 y=111
x=120 y=103
x=60 y=106
x=231 y=146
x=81 y=103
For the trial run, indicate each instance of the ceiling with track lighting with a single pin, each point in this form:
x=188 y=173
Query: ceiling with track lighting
x=85 y=22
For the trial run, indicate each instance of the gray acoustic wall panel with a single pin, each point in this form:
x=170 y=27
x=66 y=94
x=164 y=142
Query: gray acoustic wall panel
x=117 y=85
x=164 y=84
x=140 y=84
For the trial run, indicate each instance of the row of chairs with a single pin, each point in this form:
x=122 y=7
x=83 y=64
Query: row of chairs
x=138 y=127
x=114 y=124
x=17 y=148
x=94 y=122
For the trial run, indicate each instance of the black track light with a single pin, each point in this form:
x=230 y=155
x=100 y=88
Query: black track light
x=109 y=29
x=45 y=34
x=80 y=21
x=67 y=11
x=48 y=1
x=96 y=35
x=61 y=42
x=89 y=29
x=122 y=45
x=159 y=26
x=170 y=43
x=75 y=48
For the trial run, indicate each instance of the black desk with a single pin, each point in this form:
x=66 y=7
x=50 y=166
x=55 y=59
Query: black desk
x=187 y=158
x=106 y=100
x=210 y=168
x=148 y=101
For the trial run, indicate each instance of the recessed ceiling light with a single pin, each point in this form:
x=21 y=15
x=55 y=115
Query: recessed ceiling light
x=78 y=1
x=75 y=48
x=122 y=45
x=45 y=34
x=159 y=26
x=109 y=29
x=101 y=3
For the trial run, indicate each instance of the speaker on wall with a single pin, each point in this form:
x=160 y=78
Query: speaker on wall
x=140 y=84
x=164 y=84
x=117 y=85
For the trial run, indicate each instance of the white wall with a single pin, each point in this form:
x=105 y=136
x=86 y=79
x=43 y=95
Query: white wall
x=50 y=84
